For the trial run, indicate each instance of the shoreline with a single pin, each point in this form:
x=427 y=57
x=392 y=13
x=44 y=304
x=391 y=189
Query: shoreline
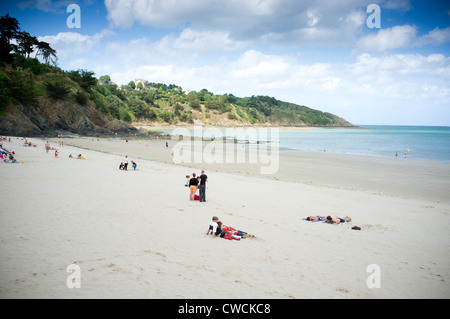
x=251 y=137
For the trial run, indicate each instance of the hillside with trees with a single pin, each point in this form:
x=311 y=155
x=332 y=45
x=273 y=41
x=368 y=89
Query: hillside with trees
x=160 y=103
x=37 y=97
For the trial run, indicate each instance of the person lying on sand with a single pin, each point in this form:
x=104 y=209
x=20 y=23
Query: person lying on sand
x=232 y=233
x=315 y=218
x=337 y=220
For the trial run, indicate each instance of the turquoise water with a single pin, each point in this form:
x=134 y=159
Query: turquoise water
x=419 y=142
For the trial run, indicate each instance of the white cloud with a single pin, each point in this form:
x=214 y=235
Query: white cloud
x=402 y=37
x=435 y=37
x=390 y=38
x=200 y=41
x=318 y=21
x=69 y=44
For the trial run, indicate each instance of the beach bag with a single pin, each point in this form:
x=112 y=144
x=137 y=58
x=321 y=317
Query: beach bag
x=196 y=197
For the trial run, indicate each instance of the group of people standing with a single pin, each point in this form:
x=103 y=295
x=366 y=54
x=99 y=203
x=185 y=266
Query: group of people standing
x=197 y=183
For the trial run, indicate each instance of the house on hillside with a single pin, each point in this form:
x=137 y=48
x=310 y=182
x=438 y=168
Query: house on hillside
x=142 y=81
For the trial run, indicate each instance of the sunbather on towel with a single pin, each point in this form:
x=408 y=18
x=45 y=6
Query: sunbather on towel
x=315 y=218
x=337 y=220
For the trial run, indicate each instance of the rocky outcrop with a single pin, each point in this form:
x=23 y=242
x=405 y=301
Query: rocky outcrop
x=46 y=117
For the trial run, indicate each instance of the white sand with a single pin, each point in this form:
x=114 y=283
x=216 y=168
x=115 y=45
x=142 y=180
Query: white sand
x=135 y=234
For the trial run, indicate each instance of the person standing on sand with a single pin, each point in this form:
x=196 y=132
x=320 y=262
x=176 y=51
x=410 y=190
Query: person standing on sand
x=202 y=187
x=193 y=184
x=125 y=163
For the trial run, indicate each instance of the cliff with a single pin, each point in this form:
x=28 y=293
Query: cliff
x=45 y=117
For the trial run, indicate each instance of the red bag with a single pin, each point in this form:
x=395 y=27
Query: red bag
x=196 y=197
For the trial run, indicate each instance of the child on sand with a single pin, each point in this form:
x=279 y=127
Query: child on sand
x=214 y=227
x=233 y=233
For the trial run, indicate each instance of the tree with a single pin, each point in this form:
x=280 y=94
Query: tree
x=192 y=99
x=203 y=94
x=46 y=52
x=9 y=29
x=57 y=89
x=84 y=78
x=26 y=43
x=105 y=78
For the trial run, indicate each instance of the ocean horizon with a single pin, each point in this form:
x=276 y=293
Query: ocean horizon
x=414 y=142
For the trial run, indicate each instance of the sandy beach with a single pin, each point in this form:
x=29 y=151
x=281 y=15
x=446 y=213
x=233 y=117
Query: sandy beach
x=135 y=234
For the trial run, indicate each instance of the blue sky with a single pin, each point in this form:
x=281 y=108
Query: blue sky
x=316 y=53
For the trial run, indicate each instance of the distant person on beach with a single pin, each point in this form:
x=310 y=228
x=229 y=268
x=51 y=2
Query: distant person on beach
x=134 y=165
x=121 y=166
x=125 y=163
x=214 y=227
x=187 y=180
x=202 y=187
x=233 y=233
x=315 y=218
x=337 y=220
x=47 y=146
x=167 y=145
x=193 y=185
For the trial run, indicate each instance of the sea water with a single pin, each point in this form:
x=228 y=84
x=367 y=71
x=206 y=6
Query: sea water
x=414 y=142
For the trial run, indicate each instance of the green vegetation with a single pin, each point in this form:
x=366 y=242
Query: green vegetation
x=24 y=79
x=170 y=104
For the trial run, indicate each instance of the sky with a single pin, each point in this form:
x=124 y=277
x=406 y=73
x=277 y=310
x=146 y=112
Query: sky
x=372 y=62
